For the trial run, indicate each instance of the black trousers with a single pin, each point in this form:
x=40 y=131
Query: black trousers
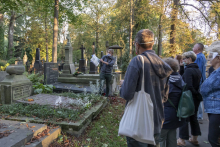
x=194 y=124
x=214 y=129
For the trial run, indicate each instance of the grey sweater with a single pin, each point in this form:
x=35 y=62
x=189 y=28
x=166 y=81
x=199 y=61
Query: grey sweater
x=156 y=71
x=107 y=69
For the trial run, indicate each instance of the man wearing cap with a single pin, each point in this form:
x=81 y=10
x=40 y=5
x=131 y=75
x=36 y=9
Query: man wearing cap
x=201 y=61
x=155 y=71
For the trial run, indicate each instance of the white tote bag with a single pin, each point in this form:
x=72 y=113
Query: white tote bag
x=138 y=120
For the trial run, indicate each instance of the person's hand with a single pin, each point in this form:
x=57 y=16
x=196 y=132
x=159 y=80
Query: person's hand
x=121 y=82
x=101 y=60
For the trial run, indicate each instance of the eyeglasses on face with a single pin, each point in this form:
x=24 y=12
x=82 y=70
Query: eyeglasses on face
x=185 y=58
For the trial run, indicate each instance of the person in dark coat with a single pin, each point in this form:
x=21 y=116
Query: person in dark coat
x=106 y=71
x=155 y=73
x=191 y=76
x=171 y=123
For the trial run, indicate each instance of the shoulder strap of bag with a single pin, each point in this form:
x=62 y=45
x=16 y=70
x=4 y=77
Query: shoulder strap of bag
x=171 y=103
x=142 y=85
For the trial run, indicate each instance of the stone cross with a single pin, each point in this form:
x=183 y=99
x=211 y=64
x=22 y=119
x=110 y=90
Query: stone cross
x=82 y=51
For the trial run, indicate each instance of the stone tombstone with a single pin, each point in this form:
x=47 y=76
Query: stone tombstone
x=72 y=68
x=37 y=63
x=68 y=66
x=18 y=61
x=15 y=85
x=51 y=72
x=82 y=61
x=25 y=58
x=27 y=66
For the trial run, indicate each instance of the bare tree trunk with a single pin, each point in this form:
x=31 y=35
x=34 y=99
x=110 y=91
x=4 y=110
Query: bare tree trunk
x=218 y=27
x=173 y=27
x=10 y=35
x=47 y=60
x=160 y=37
x=55 y=31
x=97 y=41
x=1 y=35
x=131 y=26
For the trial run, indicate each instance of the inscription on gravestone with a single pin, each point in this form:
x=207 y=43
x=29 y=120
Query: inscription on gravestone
x=50 y=73
x=21 y=91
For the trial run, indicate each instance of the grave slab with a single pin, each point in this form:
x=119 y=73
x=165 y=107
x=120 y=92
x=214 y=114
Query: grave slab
x=47 y=99
x=20 y=133
x=65 y=87
x=73 y=127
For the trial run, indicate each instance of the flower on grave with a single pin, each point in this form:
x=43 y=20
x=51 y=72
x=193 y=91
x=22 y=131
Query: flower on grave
x=88 y=104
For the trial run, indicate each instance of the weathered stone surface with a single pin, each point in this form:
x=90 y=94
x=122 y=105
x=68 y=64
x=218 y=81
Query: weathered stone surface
x=46 y=140
x=51 y=100
x=14 y=87
x=76 y=80
x=68 y=67
x=15 y=69
x=51 y=73
x=65 y=87
x=20 y=133
x=3 y=75
x=90 y=76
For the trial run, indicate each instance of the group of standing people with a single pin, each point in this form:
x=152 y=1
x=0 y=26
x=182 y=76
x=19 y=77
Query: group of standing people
x=185 y=72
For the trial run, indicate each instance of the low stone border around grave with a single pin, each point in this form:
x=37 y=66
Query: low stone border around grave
x=73 y=128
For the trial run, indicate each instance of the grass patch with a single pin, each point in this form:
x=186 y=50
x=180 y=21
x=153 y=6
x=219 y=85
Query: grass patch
x=102 y=132
x=40 y=111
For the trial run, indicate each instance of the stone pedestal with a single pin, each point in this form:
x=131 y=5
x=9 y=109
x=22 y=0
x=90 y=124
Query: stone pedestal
x=115 y=66
x=15 y=85
x=93 y=69
x=68 y=67
x=82 y=66
x=37 y=63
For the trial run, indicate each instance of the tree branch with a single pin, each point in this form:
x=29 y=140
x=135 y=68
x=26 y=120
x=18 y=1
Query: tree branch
x=198 y=10
x=185 y=13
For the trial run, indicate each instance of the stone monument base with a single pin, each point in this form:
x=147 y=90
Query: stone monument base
x=14 y=87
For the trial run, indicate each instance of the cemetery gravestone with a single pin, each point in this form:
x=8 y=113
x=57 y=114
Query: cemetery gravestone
x=50 y=73
x=82 y=61
x=27 y=66
x=68 y=68
x=37 y=64
x=15 y=85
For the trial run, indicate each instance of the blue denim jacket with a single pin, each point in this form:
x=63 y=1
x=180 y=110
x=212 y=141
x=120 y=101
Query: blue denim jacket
x=210 y=91
x=201 y=61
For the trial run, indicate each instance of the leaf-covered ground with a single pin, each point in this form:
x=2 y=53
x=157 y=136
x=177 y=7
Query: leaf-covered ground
x=102 y=132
